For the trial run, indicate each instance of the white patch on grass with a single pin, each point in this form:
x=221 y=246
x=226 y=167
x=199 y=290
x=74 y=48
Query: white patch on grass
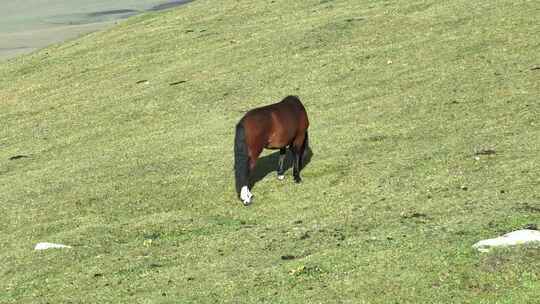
x=280 y=177
x=518 y=237
x=44 y=246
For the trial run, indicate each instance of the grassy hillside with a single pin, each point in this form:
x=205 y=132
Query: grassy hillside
x=424 y=130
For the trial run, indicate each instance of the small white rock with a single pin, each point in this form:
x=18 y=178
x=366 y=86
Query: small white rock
x=518 y=237
x=44 y=246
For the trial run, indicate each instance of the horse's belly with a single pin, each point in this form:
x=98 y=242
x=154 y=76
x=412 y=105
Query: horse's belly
x=277 y=140
x=274 y=146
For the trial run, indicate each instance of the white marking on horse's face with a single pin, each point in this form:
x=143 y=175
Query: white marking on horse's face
x=245 y=195
x=280 y=177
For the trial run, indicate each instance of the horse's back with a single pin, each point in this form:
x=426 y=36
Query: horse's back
x=276 y=125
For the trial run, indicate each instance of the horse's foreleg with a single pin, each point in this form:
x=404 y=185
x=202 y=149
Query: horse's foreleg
x=245 y=193
x=281 y=170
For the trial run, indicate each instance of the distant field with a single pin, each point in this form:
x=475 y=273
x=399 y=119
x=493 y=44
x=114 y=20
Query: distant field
x=425 y=138
x=26 y=25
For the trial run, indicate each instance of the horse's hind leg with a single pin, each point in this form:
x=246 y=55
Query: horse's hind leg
x=281 y=170
x=298 y=148
x=297 y=163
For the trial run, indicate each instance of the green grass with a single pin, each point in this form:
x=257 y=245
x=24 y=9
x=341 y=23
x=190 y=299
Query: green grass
x=136 y=173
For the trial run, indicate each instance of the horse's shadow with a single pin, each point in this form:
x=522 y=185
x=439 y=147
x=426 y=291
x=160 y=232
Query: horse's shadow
x=269 y=164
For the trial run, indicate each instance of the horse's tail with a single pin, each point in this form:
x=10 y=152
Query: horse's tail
x=241 y=159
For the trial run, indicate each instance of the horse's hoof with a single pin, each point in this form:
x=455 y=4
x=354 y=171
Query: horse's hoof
x=297 y=180
x=248 y=201
x=281 y=177
x=246 y=195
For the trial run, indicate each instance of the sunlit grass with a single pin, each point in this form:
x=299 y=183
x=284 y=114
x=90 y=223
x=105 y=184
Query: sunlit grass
x=129 y=135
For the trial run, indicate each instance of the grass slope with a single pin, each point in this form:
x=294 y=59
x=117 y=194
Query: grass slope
x=405 y=99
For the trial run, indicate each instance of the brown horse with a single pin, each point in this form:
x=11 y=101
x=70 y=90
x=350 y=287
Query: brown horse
x=276 y=126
